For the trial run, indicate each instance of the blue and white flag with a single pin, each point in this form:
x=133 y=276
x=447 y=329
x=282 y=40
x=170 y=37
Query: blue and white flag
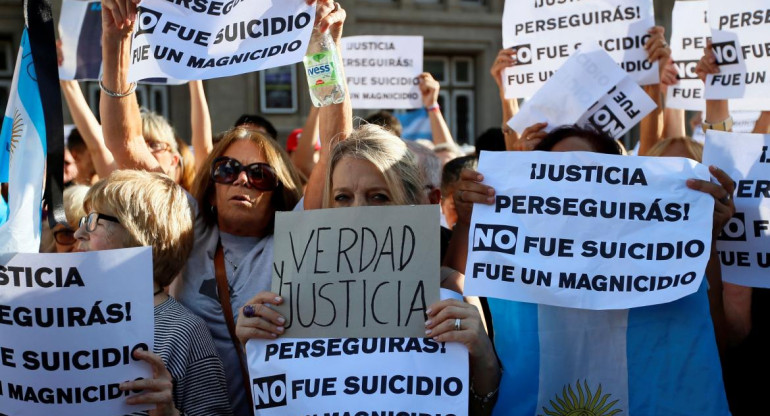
x=653 y=360
x=23 y=157
x=415 y=124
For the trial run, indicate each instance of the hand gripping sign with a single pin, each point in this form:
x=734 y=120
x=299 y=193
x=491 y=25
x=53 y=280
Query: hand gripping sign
x=209 y=39
x=68 y=326
x=744 y=244
x=544 y=34
x=589 y=230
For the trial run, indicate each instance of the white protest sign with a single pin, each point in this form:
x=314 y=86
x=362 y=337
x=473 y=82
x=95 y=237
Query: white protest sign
x=68 y=326
x=589 y=230
x=545 y=32
x=688 y=39
x=353 y=376
x=209 y=39
x=744 y=244
x=739 y=39
x=382 y=70
x=588 y=89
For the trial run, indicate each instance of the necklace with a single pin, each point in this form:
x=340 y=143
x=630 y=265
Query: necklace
x=235 y=268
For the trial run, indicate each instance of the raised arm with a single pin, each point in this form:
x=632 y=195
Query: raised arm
x=200 y=123
x=303 y=156
x=651 y=126
x=121 y=121
x=717 y=111
x=762 y=126
x=506 y=58
x=336 y=119
x=88 y=127
x=429 y=89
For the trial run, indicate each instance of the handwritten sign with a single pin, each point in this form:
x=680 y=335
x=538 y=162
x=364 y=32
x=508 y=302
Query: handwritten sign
x=744 y=244
x=358 y=272
x=210 y=39
x=68 y=326
x=599 y=95
x=739 y=40
x=347 y=376
x=589 y=230
x=544 y=34
x=382 y=70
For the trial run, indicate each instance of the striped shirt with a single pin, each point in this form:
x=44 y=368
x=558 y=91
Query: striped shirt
x=184 y=343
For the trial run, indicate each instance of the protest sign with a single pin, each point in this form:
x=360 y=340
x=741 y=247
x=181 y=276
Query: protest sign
x=744 y=244
x=589 y=230
x=589 y=90
x=346 y=376
x=68 y=326
x=366 y=272
x=545 y=32
x=81 y=54
x=382 y=70
x=209 y=39
x=688 y=39
x=741 y=48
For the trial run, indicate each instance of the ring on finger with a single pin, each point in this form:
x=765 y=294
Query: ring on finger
x=458 y=324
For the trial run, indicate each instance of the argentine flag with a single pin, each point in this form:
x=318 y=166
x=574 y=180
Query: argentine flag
x=415 y=124
x=654 y=360
x=22 y=158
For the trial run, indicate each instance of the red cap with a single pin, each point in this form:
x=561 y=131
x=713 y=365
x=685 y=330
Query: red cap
x=293 y=140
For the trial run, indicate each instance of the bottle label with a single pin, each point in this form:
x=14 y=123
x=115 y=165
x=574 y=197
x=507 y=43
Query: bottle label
x=320 y=69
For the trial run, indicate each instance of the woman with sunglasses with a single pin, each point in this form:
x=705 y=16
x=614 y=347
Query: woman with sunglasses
x=64 y=234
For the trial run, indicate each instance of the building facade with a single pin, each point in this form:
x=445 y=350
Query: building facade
x=461 y=40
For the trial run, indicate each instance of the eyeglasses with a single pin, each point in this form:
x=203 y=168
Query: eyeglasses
x=65 y=237
x=156 y=146
x=92 y=220
x=261 y=176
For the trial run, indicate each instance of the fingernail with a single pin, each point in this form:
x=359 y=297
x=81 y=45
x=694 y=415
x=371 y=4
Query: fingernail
x=274 y=335
x=429 y=311
x=428 y=331
x=490 y=191
x=278 y=299
x=691 y=181
x=280 y=329
x=428 y=322
x=281 y=320
x=248 y=311
x=491 y=199
x=479 y=177
x=713 y=168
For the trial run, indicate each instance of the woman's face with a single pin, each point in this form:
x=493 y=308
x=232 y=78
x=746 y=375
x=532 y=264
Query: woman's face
x=107 y=235
x=241 y=209
x=64 y=237
x=358 y=183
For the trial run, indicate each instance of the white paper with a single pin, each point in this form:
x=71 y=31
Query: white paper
x=688 y=39
x=589 y=90
x=545 y=32
x=328 y=377
x=201 y=40
x=117 y=283
x=541 y=240
x=382 y=71
x=739 y=39
x=744 y=244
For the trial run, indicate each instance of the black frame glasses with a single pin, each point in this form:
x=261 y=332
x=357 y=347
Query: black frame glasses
x=225 y=170
x=92 y=220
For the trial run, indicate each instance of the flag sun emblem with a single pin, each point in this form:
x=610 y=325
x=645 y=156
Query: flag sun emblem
x=585 y=403
x=16 y=129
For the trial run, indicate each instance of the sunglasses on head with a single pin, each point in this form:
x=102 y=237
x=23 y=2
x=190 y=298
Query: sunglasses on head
x=261 y=176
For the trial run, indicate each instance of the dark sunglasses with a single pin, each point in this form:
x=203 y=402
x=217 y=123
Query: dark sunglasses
x=261 y=176
x=65 y=237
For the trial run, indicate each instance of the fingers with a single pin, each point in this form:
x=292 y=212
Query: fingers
x=471 y=191
x=123 y=11
x=157 y=390
x=724 y=179
x=335 y=17
x=257 y=320
x=112 y=12
x=532 y=135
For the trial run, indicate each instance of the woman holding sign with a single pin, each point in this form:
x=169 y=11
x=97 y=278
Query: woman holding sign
x=671 y=345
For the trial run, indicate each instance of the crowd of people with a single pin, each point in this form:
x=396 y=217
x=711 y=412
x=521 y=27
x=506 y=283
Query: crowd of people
x=208 y=212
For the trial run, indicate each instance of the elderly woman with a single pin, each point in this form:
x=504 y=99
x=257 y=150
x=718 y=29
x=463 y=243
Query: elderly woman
x=243 y=182
x=188 y=374
x=668 y=366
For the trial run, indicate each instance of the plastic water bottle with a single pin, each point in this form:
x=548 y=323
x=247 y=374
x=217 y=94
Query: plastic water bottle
x=324 y=70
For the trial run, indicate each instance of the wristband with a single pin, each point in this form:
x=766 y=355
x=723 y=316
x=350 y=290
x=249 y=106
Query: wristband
x=724 y=125
x=434 y=107
x=131 y=89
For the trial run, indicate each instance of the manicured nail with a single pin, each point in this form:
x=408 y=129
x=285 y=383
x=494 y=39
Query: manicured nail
x=281 y=320
x=278 y=299
x=429 y=311
x=428 y=322
x=280 y=329
x=428 y=331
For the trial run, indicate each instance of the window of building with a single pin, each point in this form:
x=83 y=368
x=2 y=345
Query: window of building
x=278 y=90
x=457 y=96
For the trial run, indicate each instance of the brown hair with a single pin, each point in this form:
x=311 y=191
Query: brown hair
x=694 y=149
x=154 y=210
x=186 y=164
x=285 y=197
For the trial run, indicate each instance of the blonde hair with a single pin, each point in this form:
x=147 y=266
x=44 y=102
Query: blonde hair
x=155 y=127
x=186 y=167
x=154 y=210
x=73 y=198
x=693 y=148
x=285 y=197
x=389 y=155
